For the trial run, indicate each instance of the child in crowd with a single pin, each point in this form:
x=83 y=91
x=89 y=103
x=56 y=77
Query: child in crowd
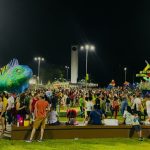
x=136 y=125
x=132 y=118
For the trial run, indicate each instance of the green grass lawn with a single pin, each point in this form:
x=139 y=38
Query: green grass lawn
x=80 y=144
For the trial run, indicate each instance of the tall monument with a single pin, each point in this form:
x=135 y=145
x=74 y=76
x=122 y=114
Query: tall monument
x=74 y=64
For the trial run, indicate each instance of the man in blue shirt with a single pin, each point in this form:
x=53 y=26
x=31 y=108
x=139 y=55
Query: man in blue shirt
x=96 y=116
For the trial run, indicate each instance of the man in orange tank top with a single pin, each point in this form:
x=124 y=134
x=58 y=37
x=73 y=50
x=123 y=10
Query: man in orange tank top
x=42 y=107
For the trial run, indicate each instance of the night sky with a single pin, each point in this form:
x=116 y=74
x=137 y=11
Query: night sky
x=119 y=29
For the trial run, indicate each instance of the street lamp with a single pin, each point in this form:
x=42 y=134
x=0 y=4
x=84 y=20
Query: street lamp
x=125 y=71
x=39 y=59
x=87 y=48
x=67 y=68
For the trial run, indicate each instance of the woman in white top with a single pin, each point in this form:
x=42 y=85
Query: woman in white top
x=88 y=105
x=128 y=116
x=53 y=117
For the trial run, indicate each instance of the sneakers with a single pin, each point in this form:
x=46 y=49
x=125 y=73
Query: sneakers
x=40 y=140
x=141 y=139
x=29 y=141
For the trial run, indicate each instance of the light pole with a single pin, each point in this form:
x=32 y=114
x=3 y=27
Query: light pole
x=125 y=71
x=39 y=59
x=87 y=48
x=67 y=68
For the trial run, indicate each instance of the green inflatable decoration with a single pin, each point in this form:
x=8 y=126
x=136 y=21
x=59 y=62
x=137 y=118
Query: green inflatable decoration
x=14 y=77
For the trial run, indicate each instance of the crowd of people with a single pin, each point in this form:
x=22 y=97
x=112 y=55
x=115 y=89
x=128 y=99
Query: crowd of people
x=43 y=106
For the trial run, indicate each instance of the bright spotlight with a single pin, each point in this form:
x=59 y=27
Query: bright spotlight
x=87 y=47
x=92 y=48
x=82 y=47
x=35 y=58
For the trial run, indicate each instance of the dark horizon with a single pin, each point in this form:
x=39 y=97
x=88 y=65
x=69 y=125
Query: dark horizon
x=120 y=31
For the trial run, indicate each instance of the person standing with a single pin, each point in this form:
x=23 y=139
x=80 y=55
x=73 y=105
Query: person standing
x=81 y=104
x=137 y=104
x=32 y=106
x=131 y=118
x=5 y=101
x=124 y=104
x=54 y=100
x=127 y=116
x=88 y=105
x=10 y=108
x=115 y=105
x=42 y=107
x=2 y=114
x=20 y=108
x=148 y=106
x=136 y=125
x=97 y=101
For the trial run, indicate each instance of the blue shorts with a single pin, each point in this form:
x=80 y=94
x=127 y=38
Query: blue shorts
x=137 y=128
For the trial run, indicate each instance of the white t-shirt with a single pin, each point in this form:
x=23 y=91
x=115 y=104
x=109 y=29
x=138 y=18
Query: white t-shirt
x=89 y=106
x=148 y=106
x=53 y=117
x=137 y=103
x=128 y=117
x=11 y=102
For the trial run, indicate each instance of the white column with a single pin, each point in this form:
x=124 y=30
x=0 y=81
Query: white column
x=74 y=64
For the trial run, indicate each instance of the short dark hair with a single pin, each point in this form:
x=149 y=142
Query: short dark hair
x=147 y=95
x=129 y=110
x=86 y=98
x=90 y=98
x=95 y=106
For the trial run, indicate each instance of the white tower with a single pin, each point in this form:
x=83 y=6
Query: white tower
x=74 y=64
